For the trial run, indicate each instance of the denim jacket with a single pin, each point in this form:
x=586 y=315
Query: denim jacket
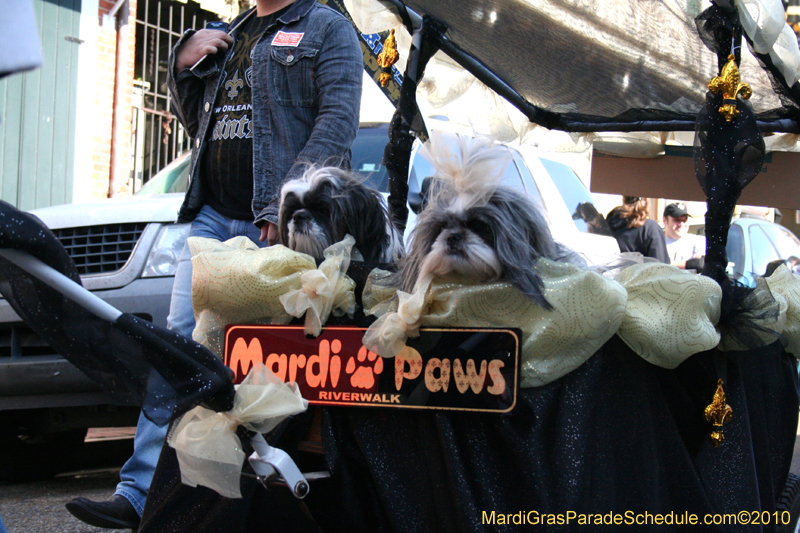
x=306 y=101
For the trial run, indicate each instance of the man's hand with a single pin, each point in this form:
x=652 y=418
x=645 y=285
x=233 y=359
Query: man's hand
x=269 y=232
x=202 y=43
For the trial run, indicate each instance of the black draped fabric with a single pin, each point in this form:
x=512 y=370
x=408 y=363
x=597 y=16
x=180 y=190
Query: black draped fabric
x=616 y=435
x=727 y=156
x=134 y=361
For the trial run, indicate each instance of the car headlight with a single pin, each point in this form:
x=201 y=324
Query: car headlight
x=163 y=258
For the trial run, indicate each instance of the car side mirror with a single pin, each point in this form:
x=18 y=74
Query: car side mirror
x=772 y=266
x=417 y=200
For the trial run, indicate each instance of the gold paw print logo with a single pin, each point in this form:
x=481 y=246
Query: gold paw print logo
x=234 y=84
x=363 y=377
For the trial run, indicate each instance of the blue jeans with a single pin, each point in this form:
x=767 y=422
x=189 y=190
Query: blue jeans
x=137 y=473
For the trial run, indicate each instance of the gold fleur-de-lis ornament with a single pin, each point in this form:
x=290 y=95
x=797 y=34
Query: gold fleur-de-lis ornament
x=718 y=413
x=387 y=58
x=730 y=84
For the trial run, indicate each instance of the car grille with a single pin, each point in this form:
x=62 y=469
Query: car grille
x=100 y=249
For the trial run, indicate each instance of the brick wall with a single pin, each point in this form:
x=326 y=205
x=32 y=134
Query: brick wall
x=104 y=102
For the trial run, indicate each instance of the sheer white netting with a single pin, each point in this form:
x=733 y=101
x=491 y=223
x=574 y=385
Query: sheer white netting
x=765 y=24
x=371 y=17
x=595 y=60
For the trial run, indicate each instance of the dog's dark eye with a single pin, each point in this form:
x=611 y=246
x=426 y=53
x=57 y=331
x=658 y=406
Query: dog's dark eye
x=291 y=203
x=480 y=228
x=320 y=208
x=441 y=225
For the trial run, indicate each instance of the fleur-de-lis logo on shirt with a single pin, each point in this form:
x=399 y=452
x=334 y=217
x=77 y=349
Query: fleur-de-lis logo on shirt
x=234 y=84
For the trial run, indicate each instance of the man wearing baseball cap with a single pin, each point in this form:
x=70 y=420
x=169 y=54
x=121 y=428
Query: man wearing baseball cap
x=685 y=250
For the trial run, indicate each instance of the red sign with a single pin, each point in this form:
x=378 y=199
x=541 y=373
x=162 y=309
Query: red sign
x=283 y=38
x=465 y=369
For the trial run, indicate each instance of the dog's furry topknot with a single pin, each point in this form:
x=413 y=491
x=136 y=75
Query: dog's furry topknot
x=468 y=169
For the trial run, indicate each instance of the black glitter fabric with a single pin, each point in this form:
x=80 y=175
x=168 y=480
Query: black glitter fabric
x=616 y=435
x=727 y=156
x=134 y=361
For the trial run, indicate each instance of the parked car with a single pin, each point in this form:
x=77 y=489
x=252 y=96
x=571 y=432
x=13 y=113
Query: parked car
x=126 y=252
x=755 y=245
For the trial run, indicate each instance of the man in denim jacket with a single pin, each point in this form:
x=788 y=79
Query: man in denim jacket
x=304 y=81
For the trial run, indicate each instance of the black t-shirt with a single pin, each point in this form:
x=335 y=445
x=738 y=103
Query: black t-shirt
x=227 y=166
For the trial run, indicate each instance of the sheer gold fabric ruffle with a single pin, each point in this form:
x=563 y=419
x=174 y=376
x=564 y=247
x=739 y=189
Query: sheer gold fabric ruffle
x=662 y=313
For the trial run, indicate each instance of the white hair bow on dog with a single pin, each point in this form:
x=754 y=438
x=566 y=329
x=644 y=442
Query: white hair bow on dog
x=470 y=168
x=324 y=290
x=387 y=336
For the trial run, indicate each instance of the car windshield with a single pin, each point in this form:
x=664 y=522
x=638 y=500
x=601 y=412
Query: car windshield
x=172 y=178
x=512 y=176
x=367 y=155
x=763 y=251
x=784 y=241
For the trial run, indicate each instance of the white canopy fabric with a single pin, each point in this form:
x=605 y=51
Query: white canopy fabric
x=596 y=64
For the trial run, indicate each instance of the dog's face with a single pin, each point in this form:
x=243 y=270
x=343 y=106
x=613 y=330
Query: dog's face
x=327 y=203
x=461 y=243
x=497 y=241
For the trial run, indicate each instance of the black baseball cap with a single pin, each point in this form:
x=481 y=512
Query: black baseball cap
x=675 y=210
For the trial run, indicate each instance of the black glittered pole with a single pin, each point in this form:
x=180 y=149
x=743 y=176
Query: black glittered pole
x=728 y=154
x=407 y=121
x=729 y=149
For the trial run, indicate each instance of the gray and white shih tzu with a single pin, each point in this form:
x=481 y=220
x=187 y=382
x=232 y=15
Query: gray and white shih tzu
x=475 y=228
x=325 y=204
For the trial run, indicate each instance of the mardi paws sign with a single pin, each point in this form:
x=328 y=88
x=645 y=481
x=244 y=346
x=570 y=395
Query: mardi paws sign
x=463 y=369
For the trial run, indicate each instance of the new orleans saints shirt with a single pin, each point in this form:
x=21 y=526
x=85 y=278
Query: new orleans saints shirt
x=227 y=171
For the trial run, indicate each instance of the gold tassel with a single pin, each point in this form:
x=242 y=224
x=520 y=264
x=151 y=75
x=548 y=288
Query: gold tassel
x=718 y=413
x=387 y=58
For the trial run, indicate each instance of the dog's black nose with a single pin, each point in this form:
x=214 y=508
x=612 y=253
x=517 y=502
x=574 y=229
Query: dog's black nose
x=454 y=240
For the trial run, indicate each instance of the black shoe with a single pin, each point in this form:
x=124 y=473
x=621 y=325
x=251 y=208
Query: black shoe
x=114 y=513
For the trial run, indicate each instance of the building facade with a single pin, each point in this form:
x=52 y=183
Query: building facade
x=94 y=120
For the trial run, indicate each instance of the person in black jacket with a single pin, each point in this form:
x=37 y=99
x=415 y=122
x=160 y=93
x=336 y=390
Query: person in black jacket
x=635 y=231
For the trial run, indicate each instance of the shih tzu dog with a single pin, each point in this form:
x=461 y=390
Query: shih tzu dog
x=476 y=228
x=325 y=204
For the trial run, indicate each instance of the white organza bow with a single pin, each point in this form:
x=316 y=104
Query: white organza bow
x=786 y=285
x=387 y=335
x=208 y=449
x=324 y=289
x=764 y=21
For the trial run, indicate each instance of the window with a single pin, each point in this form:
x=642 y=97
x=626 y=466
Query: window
x=512 y=177
x=577 y=197
x=762 y=250
x=367 y=155
x=783 y=240
x=735 y=250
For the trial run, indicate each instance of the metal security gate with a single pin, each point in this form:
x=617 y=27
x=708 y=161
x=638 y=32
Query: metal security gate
x=157 y=137
x=38 y=114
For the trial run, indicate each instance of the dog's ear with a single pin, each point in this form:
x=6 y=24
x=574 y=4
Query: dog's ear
x=521 y=237
x=517 y=255
x=283 y=224
x=360 y=212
